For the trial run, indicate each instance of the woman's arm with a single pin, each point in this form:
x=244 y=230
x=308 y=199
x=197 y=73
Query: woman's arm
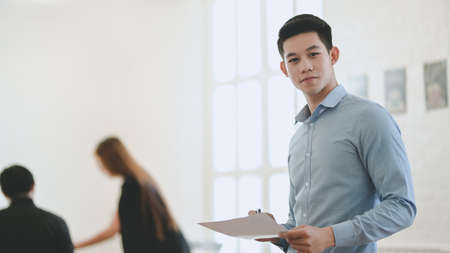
x=102 y=236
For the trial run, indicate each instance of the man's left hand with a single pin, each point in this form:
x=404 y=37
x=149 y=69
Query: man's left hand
x=309 y=239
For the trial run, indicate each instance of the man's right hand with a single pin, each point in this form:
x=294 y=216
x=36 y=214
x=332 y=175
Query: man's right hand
x=272 y=240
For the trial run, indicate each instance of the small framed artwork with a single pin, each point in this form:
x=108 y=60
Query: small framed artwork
x=395 y=90
x=435 y=77
x=358 y=85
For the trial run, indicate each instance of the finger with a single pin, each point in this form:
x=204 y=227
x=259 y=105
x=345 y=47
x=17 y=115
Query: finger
x=271 y=216
x=300 y=248
x=282 y=235
x=266 y=239
x=293 y=234
x=299 y=244
x=251 y=212
x=286 y=235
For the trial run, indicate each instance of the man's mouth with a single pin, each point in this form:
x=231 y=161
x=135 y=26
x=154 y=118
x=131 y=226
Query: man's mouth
x=308 y=78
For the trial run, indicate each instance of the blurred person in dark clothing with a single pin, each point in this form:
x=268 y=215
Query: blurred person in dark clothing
x=24 y=227
x=143 y=217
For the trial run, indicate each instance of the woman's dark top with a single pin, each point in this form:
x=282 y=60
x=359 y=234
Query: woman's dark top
x=137 y=237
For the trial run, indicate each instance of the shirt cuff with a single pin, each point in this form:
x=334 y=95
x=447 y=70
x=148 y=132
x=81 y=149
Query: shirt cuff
x=344 y=234
x=282 y=244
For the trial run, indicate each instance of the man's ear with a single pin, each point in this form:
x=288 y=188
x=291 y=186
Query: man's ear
x=32 y=189
x=283 y=68
x=334 y=53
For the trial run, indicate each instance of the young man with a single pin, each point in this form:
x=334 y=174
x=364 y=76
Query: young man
x=350 y=179
x=24 y=227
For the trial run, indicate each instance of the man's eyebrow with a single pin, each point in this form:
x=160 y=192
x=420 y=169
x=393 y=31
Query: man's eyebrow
x=290 y=54
x=312 y=47
x=308 y=49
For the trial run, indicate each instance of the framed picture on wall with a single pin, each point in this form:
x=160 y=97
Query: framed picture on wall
x=435 y=77
x=358 y=85
x=395 y=90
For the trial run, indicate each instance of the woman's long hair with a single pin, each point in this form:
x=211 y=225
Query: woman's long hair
x=116 y=159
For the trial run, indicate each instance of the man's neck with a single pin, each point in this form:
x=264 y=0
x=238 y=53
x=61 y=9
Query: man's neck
x=27 y=195
x=314 y=101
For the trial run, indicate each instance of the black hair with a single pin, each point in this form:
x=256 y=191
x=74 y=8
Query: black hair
x=301 y=24
x=16 y=180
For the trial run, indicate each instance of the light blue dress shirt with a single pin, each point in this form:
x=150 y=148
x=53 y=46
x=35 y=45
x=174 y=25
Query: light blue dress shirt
x=348 y=169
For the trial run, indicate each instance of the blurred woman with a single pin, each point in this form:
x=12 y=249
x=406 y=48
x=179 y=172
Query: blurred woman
x=143 y=218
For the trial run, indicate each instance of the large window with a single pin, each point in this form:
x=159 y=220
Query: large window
x=252 y=112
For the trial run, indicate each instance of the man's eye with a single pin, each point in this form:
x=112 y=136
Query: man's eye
x=293 y=60
x=314 y=54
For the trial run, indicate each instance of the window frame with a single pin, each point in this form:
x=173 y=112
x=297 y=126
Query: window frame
x=265 y=171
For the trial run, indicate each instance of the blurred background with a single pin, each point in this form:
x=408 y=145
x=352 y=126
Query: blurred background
x=194 y=90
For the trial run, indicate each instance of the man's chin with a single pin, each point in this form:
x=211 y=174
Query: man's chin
x=310 y=91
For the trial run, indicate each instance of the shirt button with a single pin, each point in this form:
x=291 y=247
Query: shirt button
x=308 y=154
x=311 y=125
x=307 y=184
x=304 y=215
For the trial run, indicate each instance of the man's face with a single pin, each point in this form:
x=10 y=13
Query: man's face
x=308 y=64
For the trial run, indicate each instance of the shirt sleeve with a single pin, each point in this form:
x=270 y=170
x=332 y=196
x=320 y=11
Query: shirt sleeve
x=382 y=152
x=63 y=240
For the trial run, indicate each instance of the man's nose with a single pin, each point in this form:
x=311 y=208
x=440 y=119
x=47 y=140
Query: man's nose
x=305 y=66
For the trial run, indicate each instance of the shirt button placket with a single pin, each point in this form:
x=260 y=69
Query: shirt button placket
x=308 y=171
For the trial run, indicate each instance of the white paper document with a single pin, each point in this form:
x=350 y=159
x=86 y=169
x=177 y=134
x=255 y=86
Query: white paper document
x=251 y=227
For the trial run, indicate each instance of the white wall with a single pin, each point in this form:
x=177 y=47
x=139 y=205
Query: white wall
x=74 y=71
x=375 y=36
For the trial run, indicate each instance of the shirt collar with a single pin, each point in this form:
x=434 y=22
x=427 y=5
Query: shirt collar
x=20 y=201
x=303 y=114
x=330 y=101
